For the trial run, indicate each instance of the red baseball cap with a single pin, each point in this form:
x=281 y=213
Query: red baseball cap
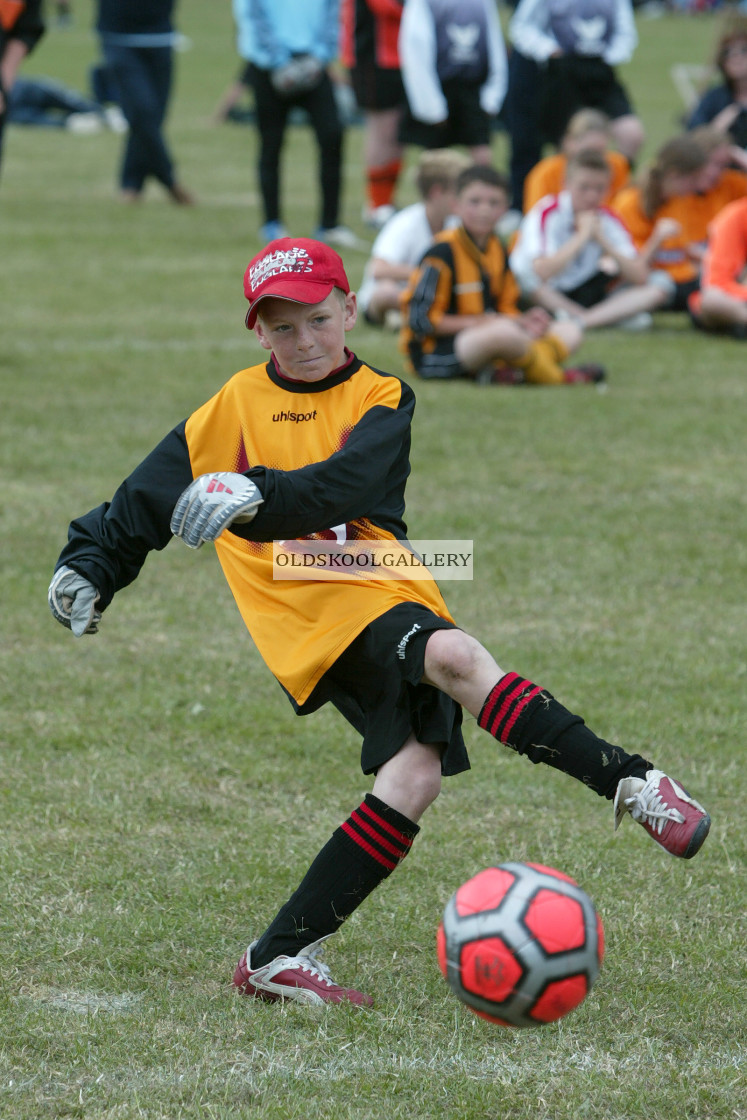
x=295 y=268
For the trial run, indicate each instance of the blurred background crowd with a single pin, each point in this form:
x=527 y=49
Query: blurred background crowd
x=584 y=233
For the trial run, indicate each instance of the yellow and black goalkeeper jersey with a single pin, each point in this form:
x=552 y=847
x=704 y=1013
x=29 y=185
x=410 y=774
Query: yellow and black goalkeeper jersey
x=455 y=277
x=327 y=456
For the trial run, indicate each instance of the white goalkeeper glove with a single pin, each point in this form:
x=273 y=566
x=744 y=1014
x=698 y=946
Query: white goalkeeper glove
x=211 y=503
x=72 y=599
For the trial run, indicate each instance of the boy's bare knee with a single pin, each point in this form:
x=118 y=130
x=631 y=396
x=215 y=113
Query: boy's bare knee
x=498 y=337
x=425 y=784
x=571 y=334
x=410 y=781
x=451 y=655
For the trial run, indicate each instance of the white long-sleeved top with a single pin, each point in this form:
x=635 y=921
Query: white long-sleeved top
x=602 y=28
x=403 y=240
x=438 y=33
x=547 y=227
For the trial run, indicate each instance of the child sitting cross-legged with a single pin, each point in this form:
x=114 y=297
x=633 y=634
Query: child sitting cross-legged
x=460 y=311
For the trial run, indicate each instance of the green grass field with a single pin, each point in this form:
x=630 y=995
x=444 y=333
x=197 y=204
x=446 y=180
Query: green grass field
x=159 y=799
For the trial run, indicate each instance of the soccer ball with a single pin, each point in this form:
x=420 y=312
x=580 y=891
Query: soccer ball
x=520 y=944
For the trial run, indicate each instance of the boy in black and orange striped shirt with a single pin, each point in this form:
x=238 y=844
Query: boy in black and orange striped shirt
x=460 y=311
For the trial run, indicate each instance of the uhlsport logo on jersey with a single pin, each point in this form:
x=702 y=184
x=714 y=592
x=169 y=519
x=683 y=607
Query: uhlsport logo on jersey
x=293 y=417
x=296 y=259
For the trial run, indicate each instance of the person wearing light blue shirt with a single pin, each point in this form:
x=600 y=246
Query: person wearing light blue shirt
x=270 y=34
x=288 y=48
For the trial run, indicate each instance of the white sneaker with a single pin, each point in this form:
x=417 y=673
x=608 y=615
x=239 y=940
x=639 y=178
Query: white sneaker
x=340 y=236
x=115 y=119
x=84 y=124
x=377 y=216
x=643 y=321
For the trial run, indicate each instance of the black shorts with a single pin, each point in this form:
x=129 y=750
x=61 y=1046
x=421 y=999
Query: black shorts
x=376 y=684
x=574 y=82
x=467 y=123
x=682 y=292
x=439 y=364
x=377 y=88
x=593 y=290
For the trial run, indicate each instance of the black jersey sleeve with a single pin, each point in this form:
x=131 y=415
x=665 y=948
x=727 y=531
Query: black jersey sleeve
x=109 y=545
x=365 y=478
x=432 y=290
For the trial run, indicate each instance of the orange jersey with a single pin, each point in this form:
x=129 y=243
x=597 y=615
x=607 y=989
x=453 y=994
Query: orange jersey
x=351 y=438
x=726 y=258
x=680 y=255
x=548 y=177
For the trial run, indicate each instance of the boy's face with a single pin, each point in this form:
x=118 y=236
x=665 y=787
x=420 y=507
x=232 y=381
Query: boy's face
x=480 y=206
x=587 y=188
x=307 y=339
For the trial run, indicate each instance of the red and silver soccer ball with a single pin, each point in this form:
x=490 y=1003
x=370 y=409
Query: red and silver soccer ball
x=520 y=944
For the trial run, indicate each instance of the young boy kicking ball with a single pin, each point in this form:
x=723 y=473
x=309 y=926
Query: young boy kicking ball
x=461 y=316
x=385 y=652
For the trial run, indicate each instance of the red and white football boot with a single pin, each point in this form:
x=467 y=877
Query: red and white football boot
x=303 y=978
x=668 y=813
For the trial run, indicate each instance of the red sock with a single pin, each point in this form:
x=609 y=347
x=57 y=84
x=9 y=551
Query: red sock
x=382 y=182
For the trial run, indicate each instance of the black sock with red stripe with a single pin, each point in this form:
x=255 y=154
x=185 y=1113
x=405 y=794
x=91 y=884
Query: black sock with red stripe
x=528 y=719
x=359 y=855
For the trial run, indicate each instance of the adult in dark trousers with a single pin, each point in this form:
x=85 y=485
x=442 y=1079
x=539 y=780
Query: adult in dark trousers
x=521 y=115
x=137 y=42
x=21 y=28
